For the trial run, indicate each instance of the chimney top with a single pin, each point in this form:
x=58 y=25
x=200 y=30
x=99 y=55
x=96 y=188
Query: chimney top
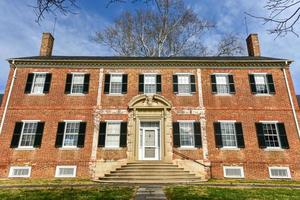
x=253 y=45
x=47 y=45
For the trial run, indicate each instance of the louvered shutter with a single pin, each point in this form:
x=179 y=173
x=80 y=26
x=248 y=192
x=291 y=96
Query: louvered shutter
x=193 y=83
x=123 y=134
x=102 y=133
x=252 y=83
x=106 y=83
x=239 y=135
x=213 y=83
x=231 y=84
x=218 y=135
x=86 y=83
x=271 y=84
x=158 y=83
x=29 y=83
x=176 y=134
x=68 y=83
x=60 y=134
x=197 y=135
x=260 y=135
x=81 y=135
x=47 y=83
x=39 y=135
x=141 y=83
x=124 y=83
x=175 y=83
x=282 y=136
x=17 y=135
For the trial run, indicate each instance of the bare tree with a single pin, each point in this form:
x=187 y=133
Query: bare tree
x=230 y=45
x=283 y=14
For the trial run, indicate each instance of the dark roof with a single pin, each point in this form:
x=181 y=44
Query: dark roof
x=298 y=98
x=1 y=97
x=99 y=58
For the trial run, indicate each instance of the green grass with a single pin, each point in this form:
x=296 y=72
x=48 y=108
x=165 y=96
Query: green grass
x=101 y=193
x=28 y=181
x=210 y=193
x=269 y=182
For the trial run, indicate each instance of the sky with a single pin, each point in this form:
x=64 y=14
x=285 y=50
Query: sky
x=20 y=35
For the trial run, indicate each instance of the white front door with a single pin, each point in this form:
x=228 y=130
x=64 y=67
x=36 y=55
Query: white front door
x=150 y=144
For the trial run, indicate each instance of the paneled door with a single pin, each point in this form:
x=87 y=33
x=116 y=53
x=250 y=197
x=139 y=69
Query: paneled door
x=150 y=149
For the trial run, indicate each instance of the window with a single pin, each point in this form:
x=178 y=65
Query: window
x=65 y=171
x=116 y=84
x=113 y=134
x=150 y=83
x=233 y=172
x=28 y=134
x=271 y=135
x=38 y=83
x=184 y=84
x=228 y=134
x=71 y=134
x=222 y=84
x=77 y=84
x=186 y=134
x=20 y=172
x=279 y=172
x=261 y=84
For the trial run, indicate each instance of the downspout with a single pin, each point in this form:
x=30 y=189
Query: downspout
x=8 y=97
x=291 y=101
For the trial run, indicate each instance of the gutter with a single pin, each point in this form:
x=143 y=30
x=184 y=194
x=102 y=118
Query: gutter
x=9 y=95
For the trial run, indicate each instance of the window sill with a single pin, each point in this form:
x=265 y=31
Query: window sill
x=69 y=148
x=76 y=95
x=224 y=95
x=187 y=148
x=230 y=149
x=36 y=94
x=115 y=95
x=112 y=148
x=185 y=95
x=263 y=95
x=25 y=149
x=273 y=149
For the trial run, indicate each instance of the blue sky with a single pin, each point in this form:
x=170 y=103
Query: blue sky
x=20 y=35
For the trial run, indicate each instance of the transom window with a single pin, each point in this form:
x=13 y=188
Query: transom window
x=71 y=134
x=113 y=134
x=77 y=84
x=116 y=84
x=150 y=83
x=186 y=134
x=228 y=134
x=222 y=84
x=184 y=84
x=38 y=83
x=28 y=134
x=271 y=135
x=261 y=83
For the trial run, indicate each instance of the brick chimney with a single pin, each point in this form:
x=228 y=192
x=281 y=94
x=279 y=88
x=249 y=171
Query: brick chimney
x=253 y=45
x=47 y=45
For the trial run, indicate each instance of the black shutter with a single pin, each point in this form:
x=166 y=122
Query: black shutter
x=282 y=135
x=260 y=135
x=231 y=84
x=60 y=134
x=47 y=83
x=106 y=83
x=193 y=83
x=86 y=83
x=271 y=84
x=176 y=134
x=158 y=83
x=175 y=83
x=17 y=134
x=218 y=134
x=197 y=134
x=252 y=83
x=102 y=133
x=123 y=134
x=239 y=135
x=141 y=83
x=68 y=83
x=213 y=83
x=39 y=135
x=124 y=83
x=29 y=83
x=81 y=135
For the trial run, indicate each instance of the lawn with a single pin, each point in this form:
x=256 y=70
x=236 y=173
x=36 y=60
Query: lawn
x=211 y=193
x=100 y=192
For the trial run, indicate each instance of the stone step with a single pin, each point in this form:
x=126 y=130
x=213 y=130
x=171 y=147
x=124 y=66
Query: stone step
x=141 y=173
x=150 y=167
x=151 y=176
x=150 y=164
x=148 y=178
x=173 y=181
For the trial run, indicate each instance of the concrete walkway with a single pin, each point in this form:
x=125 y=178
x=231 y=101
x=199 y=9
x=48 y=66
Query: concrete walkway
x=150 y=192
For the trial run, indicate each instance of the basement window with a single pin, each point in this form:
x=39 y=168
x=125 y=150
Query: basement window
x=65 y=171
x=233 y=172
x=279 y=172
x=19 y=172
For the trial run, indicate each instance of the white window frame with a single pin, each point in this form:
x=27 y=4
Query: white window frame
x=232 y=122
x=277 y=133
x=114 y=74
x=286 y=168
x=150 y=74
x=22 y=133
x=33 y=83
x=12 y=168
x=184 y=93
x=234 y=167
x=267 y=84
x=72 y=84
x=227 y=83
x=185 y=146
x=57 y=175
x=69 y=121
x=112 y=121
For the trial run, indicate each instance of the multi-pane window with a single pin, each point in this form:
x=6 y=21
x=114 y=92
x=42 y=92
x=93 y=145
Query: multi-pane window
x=65 y=171
x=222 y=84
x=77 y=84
x=113 y=134
x=116 y=84
x=20 y=172
x=184 y=84
x=28 y=134
x=150 y=83
x=38 y=83
x=271 y=134
x=186 y=134
x=228 y=134
x=71 y=134
x=261 y=83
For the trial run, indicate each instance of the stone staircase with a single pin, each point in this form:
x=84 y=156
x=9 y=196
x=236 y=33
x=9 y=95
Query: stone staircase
x=150 y=172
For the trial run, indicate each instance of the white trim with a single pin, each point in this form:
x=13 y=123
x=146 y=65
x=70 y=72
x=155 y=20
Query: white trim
x=73 y=121
x=22 y=133
x=233 y=167
x=150 y=73
x=184 y=94
x=40 y=72
x=113 y=120
x=12 y=168
x=259 y=73
x=33 y=83
x=77 y=94
x=64 y=136
x=227 y=148
x=65 y=166
x=263 y=94
x=184 y=73
x=280 y=177
x=227 y=121
x=28 y=121
x=186 y=121
x=269 y=122
x=79 y=73
x=72 y=84
x=116 y=73
x=221 y=74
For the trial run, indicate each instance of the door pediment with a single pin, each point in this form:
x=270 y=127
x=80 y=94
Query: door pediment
x=149 y=101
